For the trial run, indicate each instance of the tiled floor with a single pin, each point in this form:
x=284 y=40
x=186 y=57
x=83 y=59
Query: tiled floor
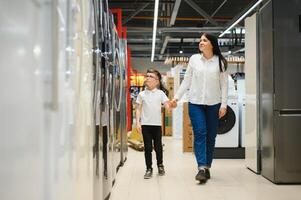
x=231 y=180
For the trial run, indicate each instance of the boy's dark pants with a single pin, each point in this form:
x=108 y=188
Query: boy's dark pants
x=152 y=134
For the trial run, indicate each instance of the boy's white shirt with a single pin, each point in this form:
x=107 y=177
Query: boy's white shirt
x=151 y=101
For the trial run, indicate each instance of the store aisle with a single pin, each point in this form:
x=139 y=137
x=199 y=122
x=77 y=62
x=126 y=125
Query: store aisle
x=230 y=180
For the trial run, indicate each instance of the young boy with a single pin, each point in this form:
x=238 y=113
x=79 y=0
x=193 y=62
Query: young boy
x=148 y=118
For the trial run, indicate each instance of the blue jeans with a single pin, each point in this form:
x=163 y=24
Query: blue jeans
x=204 y=120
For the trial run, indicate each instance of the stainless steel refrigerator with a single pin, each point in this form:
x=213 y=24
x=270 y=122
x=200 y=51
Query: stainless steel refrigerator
x=280 y=98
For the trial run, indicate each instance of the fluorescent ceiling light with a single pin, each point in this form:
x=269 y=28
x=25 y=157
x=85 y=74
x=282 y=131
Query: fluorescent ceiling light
x=155 y=29
x=243 y=16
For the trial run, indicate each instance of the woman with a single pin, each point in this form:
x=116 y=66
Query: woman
x=207 y=81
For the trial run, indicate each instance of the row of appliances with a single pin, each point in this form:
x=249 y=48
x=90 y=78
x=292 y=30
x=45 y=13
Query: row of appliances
x=63 y=110
x=273 y=103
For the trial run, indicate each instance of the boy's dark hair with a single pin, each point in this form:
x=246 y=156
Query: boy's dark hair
x=161 y=86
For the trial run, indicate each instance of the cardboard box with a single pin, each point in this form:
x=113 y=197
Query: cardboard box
x=187 y=130
x=170 y=87
x=168 y=131
x=168 y=123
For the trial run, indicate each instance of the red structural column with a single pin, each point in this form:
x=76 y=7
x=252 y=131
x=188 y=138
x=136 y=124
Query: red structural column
x=129 y=109
x=129 y=72
x=118 y=12
x=122 y=33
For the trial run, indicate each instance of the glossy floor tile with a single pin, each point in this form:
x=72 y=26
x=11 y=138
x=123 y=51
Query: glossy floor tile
x=231 y=180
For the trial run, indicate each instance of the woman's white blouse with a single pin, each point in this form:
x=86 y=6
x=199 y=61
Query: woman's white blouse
x=206 y=84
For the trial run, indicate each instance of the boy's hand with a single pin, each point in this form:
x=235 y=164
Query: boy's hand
x=138 y=127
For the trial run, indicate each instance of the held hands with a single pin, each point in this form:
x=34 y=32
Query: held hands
x=173 y=103
x=222 y=112
x=169 y=105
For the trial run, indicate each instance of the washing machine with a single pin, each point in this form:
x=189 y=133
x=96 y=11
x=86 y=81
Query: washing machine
x=228 y=130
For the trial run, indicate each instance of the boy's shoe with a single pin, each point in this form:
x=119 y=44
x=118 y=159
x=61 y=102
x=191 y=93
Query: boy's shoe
x=207 y=172
x=148 y=174
x=161 y=170
x=201 y=176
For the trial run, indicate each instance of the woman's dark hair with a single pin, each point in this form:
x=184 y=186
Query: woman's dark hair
x=161 y=86
x=217 y=51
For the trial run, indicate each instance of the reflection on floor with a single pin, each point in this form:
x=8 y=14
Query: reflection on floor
x=230 y=180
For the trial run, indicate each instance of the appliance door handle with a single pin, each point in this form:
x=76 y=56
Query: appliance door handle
x=55 y=51
x=118 y=105
x=300 y=23
x=290 y=113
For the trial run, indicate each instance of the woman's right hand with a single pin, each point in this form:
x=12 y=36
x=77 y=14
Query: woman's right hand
x=222 y=112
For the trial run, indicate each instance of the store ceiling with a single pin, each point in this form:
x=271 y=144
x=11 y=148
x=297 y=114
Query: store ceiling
x=192 y=18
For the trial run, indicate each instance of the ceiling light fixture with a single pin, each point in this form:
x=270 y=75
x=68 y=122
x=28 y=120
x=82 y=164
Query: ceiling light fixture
x=181 y=46
x=239 y=19
x=155 y=29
